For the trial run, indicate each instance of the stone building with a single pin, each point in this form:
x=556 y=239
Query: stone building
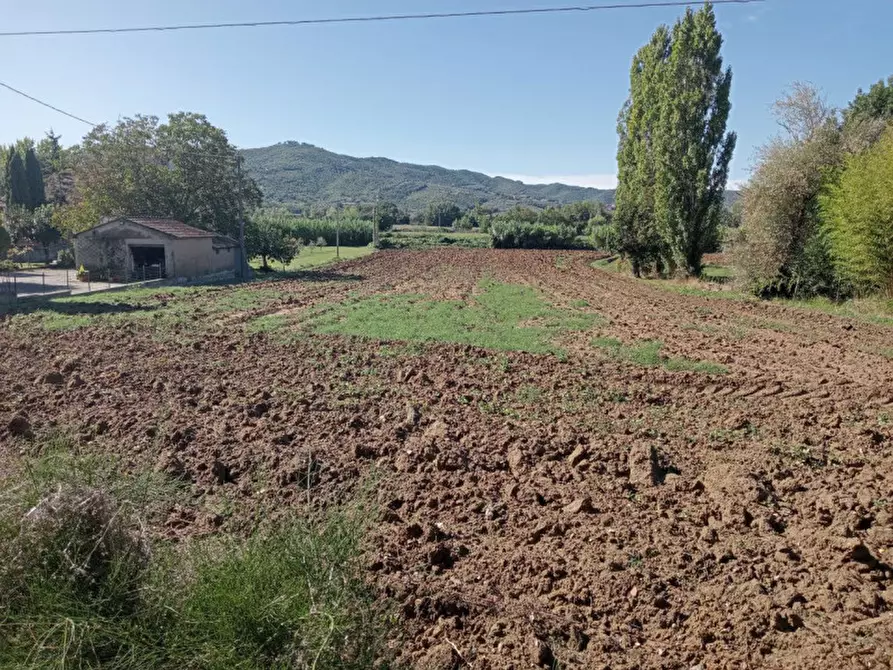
x=134 y=248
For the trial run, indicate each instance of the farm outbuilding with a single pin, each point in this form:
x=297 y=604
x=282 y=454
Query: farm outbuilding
x=136 y=248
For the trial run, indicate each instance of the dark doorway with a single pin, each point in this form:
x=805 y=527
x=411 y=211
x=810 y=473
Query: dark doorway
x=148 y=263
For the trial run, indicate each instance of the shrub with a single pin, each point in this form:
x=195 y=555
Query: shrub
x=517 y=235
x=778 y=248
x=605 y=238
x=858 y=216
x=65 y=258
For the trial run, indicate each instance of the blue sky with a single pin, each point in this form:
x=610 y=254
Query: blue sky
x=529 y=96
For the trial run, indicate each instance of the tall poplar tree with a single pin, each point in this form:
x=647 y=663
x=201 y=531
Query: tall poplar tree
x=634 y=216
x=674 y=151
x=692 y=146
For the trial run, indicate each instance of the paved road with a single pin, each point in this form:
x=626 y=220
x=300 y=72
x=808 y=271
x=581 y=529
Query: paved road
x=35 y=282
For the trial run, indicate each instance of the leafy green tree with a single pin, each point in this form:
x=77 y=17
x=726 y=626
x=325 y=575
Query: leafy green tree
x=442 y=214
x=17 y=191
x=858 y=215
x=269 y=236
x=185 y=169
x=519 y=214
x=387 y=215
x=54 y=164
x=692 y=148
x=50 y=153
x=877 y=103
x=34 y=176
x=637 y=235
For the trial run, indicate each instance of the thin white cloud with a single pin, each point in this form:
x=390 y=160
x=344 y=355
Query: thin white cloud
x=588 y=180
x=603 y=181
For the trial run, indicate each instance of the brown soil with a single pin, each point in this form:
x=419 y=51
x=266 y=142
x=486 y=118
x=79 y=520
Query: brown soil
x=531 y=509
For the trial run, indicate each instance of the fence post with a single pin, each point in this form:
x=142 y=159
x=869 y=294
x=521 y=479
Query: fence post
x=43 y=282
x=88 y=282
x=67 y=280
x=144 y=272
x=108 y=276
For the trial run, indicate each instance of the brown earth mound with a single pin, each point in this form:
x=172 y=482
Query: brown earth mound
x=532 y=510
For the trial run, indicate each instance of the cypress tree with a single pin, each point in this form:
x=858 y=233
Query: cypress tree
x=34 y=177
x=17 y=191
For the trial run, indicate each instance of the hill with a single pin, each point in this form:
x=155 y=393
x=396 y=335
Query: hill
x=293 y=173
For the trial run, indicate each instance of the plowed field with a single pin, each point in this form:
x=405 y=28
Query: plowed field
x=658 y=480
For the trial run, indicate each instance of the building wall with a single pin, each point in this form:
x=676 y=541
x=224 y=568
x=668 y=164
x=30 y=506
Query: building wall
x=190 y=257
x=107 y=247
x=224 y=258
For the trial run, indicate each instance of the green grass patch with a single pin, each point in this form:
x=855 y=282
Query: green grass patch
x=501 y=316
x=611 y=264
x=84 y=584
x=717 y=273
x=161 y=309
x=269 y=323
x=648 y=354
x=312 y=258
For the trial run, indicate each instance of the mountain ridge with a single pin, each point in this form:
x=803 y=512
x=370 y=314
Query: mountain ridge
x=302 y=175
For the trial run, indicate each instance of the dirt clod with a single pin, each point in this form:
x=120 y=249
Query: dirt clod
x=515 y=460
x=580 y=505
x=643 y=466
x=441 y=657
x=19 y=426
x=53 y=377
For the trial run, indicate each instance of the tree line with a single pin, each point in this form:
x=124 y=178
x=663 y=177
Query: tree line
x=818 y=210
x=816 y=217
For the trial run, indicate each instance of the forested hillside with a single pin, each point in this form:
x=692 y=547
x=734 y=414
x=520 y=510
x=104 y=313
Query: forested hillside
x=301 y=174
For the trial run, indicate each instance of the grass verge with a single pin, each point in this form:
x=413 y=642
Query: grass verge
x=312 y=258
x=501 y=316
x=648 y=354
x=83 y=583
x=873 y=310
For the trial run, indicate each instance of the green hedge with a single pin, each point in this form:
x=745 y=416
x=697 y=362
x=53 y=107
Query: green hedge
x=353 y=232
x=518 y=235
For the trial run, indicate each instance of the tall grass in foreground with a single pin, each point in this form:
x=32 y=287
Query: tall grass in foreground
x=83 y=585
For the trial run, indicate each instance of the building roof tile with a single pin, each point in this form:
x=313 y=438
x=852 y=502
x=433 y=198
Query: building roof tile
x=170 y=227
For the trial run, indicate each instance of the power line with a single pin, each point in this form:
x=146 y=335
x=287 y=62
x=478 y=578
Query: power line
x=96 y=125
x=370 y=19
x=46 y=104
